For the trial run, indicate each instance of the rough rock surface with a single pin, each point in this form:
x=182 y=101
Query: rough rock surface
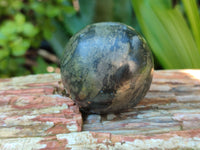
x=34 y=115
x=172 y=104
x=30 y=106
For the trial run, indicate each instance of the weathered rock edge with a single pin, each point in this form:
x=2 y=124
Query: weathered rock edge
x=34 y=115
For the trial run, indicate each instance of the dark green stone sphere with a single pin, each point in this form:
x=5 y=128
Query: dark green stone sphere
x=107 y=67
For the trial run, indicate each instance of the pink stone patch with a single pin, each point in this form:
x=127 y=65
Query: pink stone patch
x=39 y=115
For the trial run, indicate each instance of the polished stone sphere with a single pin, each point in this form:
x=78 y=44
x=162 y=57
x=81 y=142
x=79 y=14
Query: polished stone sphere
x=107 y=68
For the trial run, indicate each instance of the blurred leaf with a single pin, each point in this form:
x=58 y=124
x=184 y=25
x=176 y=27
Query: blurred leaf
x=2 y=39
x=69 y=10
x=3 y=53
x=47 y=34
x=4 y=70
x=59 y=1
x=167 y=33
x=123 y=12
x=17 y=4
x=2 y=36
x=58 y=39
x=76 y=22
x=26 y=24
x=41 y=66
x=8 y=28
x=19 y=19
x=38 y=7
x=8 y=67
x=192 y=13
x=29 y=30
x=104 y=12
x=52 y=11
x=17 y=61
x=71 y=25
x=19 y=47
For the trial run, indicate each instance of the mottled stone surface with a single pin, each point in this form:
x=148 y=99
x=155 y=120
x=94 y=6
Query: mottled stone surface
x=172 y=104
x=31 y=106
x=105 y=141
x=167 y=118
x=107 y=67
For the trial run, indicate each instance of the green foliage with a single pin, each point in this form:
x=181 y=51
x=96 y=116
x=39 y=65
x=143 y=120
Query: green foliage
x=115 y=10
x=194 y=19
x=41 y=67
x=173 y=32
x=174 y=44
x=23 y=25
x=70 y=24
x=90 y=12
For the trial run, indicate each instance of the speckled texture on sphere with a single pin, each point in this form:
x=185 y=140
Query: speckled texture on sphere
x=107 y=67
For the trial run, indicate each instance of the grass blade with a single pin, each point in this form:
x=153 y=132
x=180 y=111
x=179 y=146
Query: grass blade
x=167 y=33
x=194 y=19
